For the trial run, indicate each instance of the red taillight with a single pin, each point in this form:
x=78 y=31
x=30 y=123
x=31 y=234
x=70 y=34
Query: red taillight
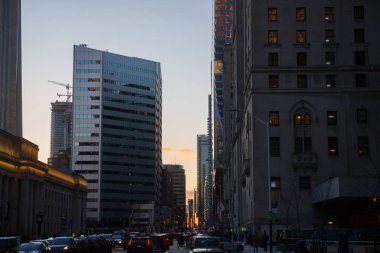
x=148 y=242
x=130 y=242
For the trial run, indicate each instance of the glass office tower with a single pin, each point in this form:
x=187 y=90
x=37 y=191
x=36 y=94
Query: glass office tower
x=117 y=135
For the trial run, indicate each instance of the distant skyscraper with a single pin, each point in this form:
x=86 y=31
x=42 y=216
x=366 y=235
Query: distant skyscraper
x=10 y=67
x=61 y=134
x=179 y=185
x=117 y=134
x=203 y=158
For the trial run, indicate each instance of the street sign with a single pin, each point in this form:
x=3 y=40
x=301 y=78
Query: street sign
x=270 y=216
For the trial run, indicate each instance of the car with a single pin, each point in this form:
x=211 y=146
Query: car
x=140 y=244
x=63 y=244
x=8 y=244
x=45 y=242
x=230 y=245
x=118 y=241
x=209 y=244
x=161 y=245
x=34 y=247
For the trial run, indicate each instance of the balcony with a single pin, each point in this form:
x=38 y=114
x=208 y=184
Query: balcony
x=301 y=45
x=330 y=44
x=305 y=160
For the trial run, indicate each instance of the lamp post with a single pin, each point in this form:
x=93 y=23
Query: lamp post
x=269 y=215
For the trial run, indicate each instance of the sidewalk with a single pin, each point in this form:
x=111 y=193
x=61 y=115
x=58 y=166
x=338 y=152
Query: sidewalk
x=249 y=248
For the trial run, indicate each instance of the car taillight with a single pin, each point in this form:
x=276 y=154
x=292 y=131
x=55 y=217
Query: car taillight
x=148 y=243
x=130 y=242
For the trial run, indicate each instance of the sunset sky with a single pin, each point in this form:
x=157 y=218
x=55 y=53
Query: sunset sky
x=175 y=33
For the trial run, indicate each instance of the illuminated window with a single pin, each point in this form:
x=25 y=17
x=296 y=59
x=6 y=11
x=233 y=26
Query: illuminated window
x=307 y=119
x=298 y=119
x=332 y=117
x=332 y=146
x=330 y=58
x=329 y=36
x=274 y=118
x=272 y=59
x=273 y=81
x=301 y=81
x=301 y=59
x=272 y=37
x=329 y=14
x=275 y=185
x=272 y=15
x=330 y=81
x=301 y=14
x=362 y=145
x=300 y=36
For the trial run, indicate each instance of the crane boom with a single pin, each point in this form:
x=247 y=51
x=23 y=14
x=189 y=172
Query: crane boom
x=68 y=87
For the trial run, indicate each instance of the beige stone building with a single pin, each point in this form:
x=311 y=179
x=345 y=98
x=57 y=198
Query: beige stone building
x=31 y=189
x=304 y=140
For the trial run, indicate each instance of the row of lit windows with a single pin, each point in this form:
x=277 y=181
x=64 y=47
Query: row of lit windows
x=360 y=58
x=305 y=119
x=329 y=14
x=330 y=81
x=332 y=145
x=87 y=71
x=301 y=37
x=129 y=76
x=129 y=67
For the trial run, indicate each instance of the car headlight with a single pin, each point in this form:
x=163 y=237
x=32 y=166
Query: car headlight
x=66 y=248
x=120 y=242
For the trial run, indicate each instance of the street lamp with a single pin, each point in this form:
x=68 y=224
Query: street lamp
x=270 y=213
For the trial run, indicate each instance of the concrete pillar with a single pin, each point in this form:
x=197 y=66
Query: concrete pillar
x=13 y=197
x=5 y=204
x=24 y=204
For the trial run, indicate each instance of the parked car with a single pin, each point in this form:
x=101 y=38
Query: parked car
x=230 y=245
x=140 y=244
x=63 y=244
x=8 y=244
x=34 y=247
x=45 y=242
x=209 y=244
x=118 y=241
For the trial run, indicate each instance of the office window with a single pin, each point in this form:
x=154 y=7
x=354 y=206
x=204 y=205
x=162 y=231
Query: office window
x=332 y=146
x=332 y=118
x=330 y=58
x=329 y=36
x=329 y=14
x=272 y=37
x=362 y=145
x=360 y=58
x=301 y=81
x=272 y=15
x=275 y=185
x=361 y=115
x=301 y=14
x=273 y=81
x=272 y=59
x=300 y=36
x=274 y=146
x=330 y=81
x=307 y=119
x=358 y=13
x=359 y=36
x=301 y=59
x=304 y=183
x=274 y=118
x=361 y=80
x=298 y=119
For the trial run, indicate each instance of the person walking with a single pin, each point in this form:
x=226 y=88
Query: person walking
x=264 y=240
x=256 y=242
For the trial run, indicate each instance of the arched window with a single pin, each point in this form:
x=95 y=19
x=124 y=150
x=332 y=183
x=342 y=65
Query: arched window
x=302 y=132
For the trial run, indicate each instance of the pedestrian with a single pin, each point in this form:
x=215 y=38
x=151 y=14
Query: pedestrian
x=264 y=240
x=256 y=242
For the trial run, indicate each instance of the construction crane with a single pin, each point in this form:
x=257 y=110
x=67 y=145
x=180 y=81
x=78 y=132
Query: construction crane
x=68 y=87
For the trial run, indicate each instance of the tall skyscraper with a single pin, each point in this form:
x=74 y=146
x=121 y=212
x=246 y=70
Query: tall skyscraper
x=223 y=15
x=117 y=135
x=203 y=159
x=61 y=134
x=10 y=67
x=178 y=176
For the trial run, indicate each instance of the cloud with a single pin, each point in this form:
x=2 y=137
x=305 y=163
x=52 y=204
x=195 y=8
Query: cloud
x=178 y=150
